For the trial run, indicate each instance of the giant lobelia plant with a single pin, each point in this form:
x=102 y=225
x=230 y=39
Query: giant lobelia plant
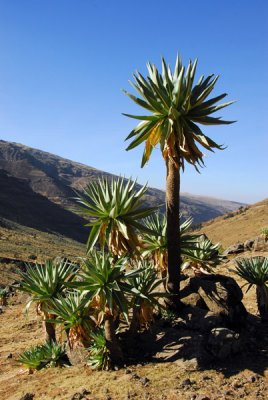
x=156 y=246
x=255 y=271
x=115 y=209
x=176 y=108
x=44 y=282
x=106 y=280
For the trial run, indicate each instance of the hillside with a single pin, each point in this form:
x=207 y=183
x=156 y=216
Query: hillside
x=179 y=351
x=37 y=190
x=178 y=347
x=238 y=226
x=20 y=204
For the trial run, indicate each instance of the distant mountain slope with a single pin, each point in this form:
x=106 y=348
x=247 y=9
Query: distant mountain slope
x=238 y=226
x=39 y=173
x=20 y=204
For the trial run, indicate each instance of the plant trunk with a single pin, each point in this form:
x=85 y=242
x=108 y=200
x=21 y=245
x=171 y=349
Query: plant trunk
x=173 y=233
x=111 y=340
x=134 y=325
x=50 y=331
x=262 y=302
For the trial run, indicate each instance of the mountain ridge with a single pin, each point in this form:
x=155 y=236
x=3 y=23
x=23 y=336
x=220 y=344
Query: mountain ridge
x=58 y=179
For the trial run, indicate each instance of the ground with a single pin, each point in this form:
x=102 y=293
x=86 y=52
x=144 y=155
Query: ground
x=172 y=373
x=237 y=226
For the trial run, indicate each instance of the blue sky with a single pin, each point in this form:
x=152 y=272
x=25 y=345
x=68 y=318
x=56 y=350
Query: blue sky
x=63 y=64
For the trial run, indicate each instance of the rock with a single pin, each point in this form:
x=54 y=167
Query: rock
x=186 y=382
x=10 y=355
x=252 y=378
x=234 y=249
x=221 y=295
x=194 y=300
x=80 y=395
x=237 y=385
x=248 y=244
x=223 y=342
x=261 y=244
x=85 y=392
x=228 y=392
x=27 y=396
x=201 y=320
x=144 y=381
x=77 y=396
x=202 y=397
x=128 y=371
x=135 y=376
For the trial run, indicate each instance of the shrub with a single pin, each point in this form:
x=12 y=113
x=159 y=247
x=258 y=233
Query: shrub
x=50 y=354
x=264 y=232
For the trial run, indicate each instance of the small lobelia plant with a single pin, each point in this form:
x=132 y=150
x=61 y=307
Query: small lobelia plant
x=72 y=311
x=106 y=280
x=169 y=316
x=115 y=209
x=156 y=245
x=199 y=250
x=264 y=232
x=255 y=271
x=50 y=354
x=146 y=295
x=44 y=282
x=204 y=256
x=3 y=296
x=99 y=353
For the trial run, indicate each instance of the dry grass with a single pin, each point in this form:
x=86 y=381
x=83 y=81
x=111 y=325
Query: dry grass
x=28 y=244
x=165 y=379
x=238 y=228
x=234 y=380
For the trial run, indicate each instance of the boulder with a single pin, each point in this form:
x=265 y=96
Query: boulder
x=200 y=320
x=219 y=294
x=261 y=244
x=194 y=300
x=234 y=249
x=27 y=396
x=248 y=245
x=223 y=342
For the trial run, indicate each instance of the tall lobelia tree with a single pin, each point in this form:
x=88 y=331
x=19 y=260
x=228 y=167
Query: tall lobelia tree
x=176 y=108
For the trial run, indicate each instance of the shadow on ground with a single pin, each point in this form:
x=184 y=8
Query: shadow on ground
x=183 y=341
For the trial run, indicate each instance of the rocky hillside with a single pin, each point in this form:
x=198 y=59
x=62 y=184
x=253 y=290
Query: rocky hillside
x=37 y=190
x=238 y=226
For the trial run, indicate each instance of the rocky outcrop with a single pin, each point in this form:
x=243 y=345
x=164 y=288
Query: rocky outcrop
x=219 y=294
x=223 y=343
x=235 y=249
x=248 y=245
x=260 y=243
